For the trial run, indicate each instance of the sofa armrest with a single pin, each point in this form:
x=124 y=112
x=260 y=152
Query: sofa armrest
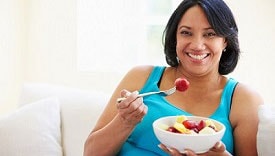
x=266 y=130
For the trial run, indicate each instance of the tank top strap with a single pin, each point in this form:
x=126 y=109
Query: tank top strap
x=226 y=100
x=228 y=93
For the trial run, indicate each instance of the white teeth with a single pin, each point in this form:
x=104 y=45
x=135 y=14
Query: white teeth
x=198 y=57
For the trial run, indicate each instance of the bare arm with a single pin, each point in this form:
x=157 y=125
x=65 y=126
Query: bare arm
x=118 y=120
x=244 y=119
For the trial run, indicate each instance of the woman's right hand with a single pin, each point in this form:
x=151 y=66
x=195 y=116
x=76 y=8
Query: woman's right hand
x=132 y=109
x=218 y=149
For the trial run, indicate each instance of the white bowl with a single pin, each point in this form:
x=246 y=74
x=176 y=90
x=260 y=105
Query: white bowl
x=199 y=143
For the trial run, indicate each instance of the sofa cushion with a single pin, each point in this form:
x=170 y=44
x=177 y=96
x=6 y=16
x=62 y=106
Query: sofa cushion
x=80 y=110
x=32 y=130
x=266 y=130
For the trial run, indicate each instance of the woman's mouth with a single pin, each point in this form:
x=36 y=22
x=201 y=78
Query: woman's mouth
x=197 y=57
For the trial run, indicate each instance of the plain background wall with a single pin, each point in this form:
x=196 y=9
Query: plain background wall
x=38 y=44
x=12 y=46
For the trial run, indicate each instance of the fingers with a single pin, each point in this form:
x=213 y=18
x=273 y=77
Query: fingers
x=218 y=147
x=172 y=151
x=125 y=93
x=132 y=108
x=129 y=97
x=132 y=104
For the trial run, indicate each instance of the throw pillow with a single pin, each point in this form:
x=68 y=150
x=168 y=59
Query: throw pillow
x=32 y=130
x=80 y=110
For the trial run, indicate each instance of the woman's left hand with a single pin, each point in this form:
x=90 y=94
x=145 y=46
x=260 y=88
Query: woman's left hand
x=218 y=149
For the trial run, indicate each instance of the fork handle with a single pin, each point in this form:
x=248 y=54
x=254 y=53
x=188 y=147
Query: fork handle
x=139 y=95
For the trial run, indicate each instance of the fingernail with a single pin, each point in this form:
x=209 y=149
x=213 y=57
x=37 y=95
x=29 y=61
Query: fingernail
x=128 y=94
x=219 y=144
x=170 y=150
x=135 y=92
x=185 y=153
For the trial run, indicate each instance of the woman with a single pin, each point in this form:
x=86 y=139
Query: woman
x=201 y=44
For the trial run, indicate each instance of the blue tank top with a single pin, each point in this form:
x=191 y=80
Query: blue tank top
x=142 y=140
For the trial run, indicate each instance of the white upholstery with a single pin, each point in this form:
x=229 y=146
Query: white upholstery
x=33 y=130
x=266 y=131
x=79 y=111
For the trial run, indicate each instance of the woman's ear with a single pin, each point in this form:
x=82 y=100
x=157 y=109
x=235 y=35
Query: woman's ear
x=225 y=43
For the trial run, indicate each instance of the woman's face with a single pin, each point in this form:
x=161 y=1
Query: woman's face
x=198 y=48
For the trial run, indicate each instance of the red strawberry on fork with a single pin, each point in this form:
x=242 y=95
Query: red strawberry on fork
x=181 y=84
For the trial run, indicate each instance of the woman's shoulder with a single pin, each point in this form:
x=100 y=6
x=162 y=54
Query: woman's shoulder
x=136 y=77
x=142 y=71
x=139 y=72
x=245 y=103
x=247 y=94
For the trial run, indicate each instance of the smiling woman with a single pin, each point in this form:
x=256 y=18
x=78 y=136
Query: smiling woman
x=195 y=37
x=38 y=43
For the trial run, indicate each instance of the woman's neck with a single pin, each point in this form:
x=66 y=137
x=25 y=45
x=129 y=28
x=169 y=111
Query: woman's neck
x=210 y=81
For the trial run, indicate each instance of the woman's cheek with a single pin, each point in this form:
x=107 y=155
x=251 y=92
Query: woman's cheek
x=180 y=48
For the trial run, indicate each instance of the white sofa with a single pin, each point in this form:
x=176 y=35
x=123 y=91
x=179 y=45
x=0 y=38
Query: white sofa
x=62 y=120
x=55 y=120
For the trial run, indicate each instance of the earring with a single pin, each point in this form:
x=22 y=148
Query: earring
x=224 y=50
x=178 y=60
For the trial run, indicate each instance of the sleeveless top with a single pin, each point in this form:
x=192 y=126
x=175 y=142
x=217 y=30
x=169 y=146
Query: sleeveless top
x=142 y=140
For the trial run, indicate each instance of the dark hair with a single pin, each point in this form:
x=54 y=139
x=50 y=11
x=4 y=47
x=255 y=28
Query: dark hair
x=222 y=21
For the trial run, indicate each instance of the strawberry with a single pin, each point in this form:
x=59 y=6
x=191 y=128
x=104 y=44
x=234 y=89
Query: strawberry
x=201 y=125
x=189 y=124
x=181 y=84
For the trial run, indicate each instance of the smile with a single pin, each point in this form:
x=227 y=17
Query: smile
x=198 y=57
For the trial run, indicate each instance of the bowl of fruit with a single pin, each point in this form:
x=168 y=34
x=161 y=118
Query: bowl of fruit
x=188 y=132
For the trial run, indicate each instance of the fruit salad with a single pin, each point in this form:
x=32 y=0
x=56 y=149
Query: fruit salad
x=181 y=84
x=186 y=126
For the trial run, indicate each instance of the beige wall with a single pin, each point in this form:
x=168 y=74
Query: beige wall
x=38 y=44
x=256 y=30
x=12 y=46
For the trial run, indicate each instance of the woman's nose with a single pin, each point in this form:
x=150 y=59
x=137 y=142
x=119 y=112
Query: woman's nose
x=197 y=43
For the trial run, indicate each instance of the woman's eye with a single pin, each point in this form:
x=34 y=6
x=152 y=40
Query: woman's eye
x=185 y=33
x=210 y=34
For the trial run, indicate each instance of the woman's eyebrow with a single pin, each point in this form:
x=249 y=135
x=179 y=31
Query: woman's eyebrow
x=210 y=28
x=187 y=27
x=183 y=26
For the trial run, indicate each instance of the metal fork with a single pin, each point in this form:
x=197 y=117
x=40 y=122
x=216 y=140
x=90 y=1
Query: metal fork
x=161 y=93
